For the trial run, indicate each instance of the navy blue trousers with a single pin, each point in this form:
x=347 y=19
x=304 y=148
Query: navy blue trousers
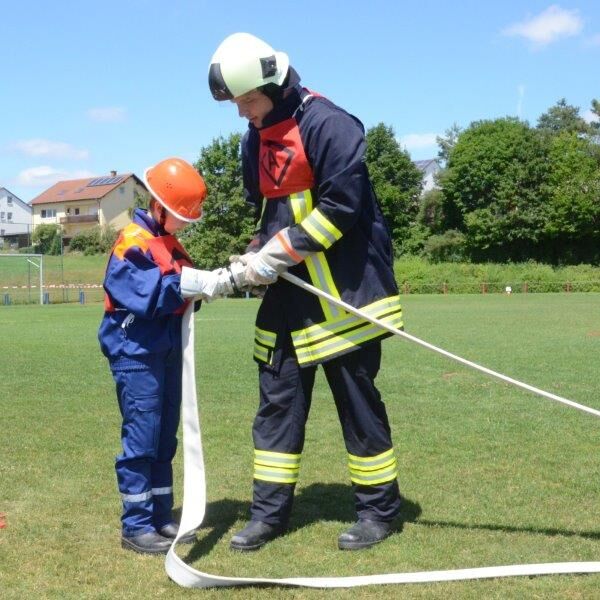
x=149 y=394
x=279 y=427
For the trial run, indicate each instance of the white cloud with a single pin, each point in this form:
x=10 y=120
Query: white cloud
x=590 y=117
x=547 y=27
x=45 y=176
x=50 y=149
x=108 y=114
x=416 y=141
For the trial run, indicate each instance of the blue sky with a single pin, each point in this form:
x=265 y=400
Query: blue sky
x=88 y=87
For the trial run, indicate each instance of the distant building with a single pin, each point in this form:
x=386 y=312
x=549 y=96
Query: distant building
x=15 y=220
x=429 y=168
x=80 y=204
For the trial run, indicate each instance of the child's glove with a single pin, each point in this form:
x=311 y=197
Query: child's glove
x=209 y=285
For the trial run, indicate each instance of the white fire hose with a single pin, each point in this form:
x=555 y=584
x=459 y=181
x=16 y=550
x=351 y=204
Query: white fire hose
x=194 y=488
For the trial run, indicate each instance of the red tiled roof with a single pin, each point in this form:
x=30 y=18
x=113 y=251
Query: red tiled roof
x=80 y=189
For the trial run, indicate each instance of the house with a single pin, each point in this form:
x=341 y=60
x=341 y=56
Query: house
x=80 y=204
x=15 y=220
x=429 y=168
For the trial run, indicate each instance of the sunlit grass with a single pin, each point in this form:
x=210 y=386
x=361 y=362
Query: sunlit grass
x=490 y=474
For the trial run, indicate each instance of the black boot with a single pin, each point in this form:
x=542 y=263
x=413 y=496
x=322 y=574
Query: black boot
x=363 y=534
x=255 y=535
x=146 y=543
x=170 y=530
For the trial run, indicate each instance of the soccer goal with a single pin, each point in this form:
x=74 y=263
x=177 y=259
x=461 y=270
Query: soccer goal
x=21 y=278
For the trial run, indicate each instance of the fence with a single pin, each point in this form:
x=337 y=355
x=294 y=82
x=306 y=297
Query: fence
x=51 y=294
x=499 y=287
x=90 y=293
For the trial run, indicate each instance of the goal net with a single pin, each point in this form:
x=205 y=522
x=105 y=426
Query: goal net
x=22 y=279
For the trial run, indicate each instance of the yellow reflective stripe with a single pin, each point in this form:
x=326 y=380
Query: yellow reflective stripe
x=321 y=229
x=372 y=470
x=277 y=457
x=264 y=343
x=274 y=478
x=266 y=338
x=276 y=467
x=344 y=341
x=300 y=205
x=320 y=276
x=365 y=462
x=319 y=331
x=375 y=477
x=261 y=354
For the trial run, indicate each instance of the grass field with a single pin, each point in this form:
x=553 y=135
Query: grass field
x=491 y=474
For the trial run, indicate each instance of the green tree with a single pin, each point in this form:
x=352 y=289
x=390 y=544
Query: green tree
x=396 y=180
x=46 y=239
x=573 y=225
x=562 y=117
x=227 y=222
x=139 y=201
x=447 y=142
x=492 y=189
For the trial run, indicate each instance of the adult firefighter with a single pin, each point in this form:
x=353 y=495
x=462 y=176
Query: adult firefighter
x=147 y=280
x=304 y=171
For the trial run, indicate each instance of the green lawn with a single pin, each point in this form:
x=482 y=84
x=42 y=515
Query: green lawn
x=491 y=474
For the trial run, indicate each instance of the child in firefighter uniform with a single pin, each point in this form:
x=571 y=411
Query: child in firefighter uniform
x=304 y=171
x=140 y=334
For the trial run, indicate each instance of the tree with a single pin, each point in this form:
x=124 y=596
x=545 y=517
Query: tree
x=139 y=201
x=573 y=224
x=46 y=239
x=447 y=142
x=227 y=222
x=396 y=180
x=562 y=117
x=493 y=189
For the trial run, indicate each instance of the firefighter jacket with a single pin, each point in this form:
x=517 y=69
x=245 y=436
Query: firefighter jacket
x=304 y=170
x=143 y=304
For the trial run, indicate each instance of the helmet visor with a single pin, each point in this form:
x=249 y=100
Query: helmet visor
x=217 y=85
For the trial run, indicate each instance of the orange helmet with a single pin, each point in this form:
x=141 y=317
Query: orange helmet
x=178 y=187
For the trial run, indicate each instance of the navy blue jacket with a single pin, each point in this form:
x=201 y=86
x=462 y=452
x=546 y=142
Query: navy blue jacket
x=305 y=170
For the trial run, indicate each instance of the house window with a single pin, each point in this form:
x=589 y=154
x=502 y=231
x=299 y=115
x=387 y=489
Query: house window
x=9 y=217
x=9 y=200
x=76 y=211
x=48 y=212
x=2 y=215
x=122 y=189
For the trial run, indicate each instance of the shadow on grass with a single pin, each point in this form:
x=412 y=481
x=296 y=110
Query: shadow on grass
x=551 y=531
x=317 y=502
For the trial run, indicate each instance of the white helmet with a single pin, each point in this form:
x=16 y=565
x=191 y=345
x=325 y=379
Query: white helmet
x=242 y=63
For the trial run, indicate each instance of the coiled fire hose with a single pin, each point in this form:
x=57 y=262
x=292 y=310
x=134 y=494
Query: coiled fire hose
x=194 y=488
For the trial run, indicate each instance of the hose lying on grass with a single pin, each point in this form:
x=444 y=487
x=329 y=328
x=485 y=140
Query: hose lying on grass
x=194 y=496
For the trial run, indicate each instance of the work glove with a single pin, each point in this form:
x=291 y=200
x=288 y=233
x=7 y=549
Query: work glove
x=243 y=260
x=210 y=285
x=274 y=258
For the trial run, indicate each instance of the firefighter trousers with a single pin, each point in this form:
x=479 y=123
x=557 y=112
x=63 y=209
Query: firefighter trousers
x=279 y=431
x=149 y=394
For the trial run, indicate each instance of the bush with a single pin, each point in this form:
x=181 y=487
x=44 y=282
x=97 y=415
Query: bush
x=417 y=275
x=94 y=240
x=46 y=239
x=449 y=246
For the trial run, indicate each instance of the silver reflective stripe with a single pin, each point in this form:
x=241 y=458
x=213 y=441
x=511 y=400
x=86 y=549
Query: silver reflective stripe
x=162 y=491
x=136 y=497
